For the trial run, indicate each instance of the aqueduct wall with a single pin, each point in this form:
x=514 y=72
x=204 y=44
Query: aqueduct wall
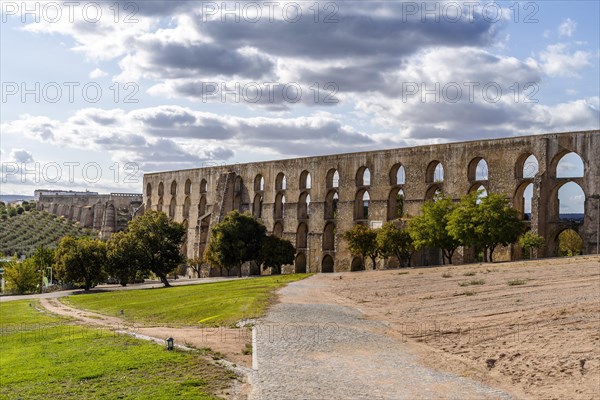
x=107 y=213
x=277 y=192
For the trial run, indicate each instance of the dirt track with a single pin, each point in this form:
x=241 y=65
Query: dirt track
x=537 y=338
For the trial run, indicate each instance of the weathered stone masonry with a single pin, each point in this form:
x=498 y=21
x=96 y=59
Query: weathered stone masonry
x=107 y=213
x=312 y=201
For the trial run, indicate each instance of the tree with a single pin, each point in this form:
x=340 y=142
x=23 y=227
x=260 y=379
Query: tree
x=275 y=252
x=81 y=261
x=497 y=223
x=462 y=222
x=196 y=265
x=122 y=258
x=569 y=243
x=156 y=243
x=395 y=241
x=43 y=257
x=429 y=230
x=530 y=240
x=21 y=277
x=362 y=241
x=235 y=240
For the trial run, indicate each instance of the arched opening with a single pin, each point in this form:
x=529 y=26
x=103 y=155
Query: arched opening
x=202 y=206
x=305 y=180
x=161 y=189
x=362 y=202
x=159 y=206
x=302 y=236
x=477 y=170
x=203 y=186
x=333 y=179
x=481 y=193
x=239 y=184
x=304 y=205
x=357 y=264
x=257 y=206
x=188 y=187
x=279 y=206
x=527 y=166
x=172 y=207
x=259 y=183
x=300 y=264
x=278 y=229
x=329 y=237
x=397 y=175
x=395 y=204
x=327 y=264
x=237 y=202
x=523 y=200
x=174 y=188
x=433 y=193
x=570 y=202
x=331 y=204
x=435 y=172
x=569 y=165
x=148 y=196
x=363 y=177
x=187 y=204
x=569 y=243
x=280 y=182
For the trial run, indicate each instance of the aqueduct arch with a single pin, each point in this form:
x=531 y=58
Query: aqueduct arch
x=337 y=185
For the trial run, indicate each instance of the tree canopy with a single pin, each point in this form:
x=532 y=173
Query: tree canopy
x=393 y=240
x=235 y=240
x=429 y=230
x=276 y=252
x=362 y=241
x=153 y=242
x=81 y=261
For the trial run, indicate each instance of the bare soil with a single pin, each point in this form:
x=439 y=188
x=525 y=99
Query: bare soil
x=531 y=328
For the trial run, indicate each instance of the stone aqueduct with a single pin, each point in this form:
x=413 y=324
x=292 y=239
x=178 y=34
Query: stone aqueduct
x=312 y=201
x=107 y=213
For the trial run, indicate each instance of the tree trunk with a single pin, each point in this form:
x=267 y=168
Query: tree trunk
x=492 y=253
x=240 y=271
x=164 y=280
x=374 y=262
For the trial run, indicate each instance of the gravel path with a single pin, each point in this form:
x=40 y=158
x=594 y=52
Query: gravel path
x=310 y=348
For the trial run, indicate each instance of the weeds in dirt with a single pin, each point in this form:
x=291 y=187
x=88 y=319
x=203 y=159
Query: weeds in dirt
x=472 y=282
x=516 y=282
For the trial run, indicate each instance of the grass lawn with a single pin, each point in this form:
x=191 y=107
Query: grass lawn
x=42 y=356
x=210 y=304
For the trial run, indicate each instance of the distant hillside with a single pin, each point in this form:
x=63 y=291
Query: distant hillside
x=22 y=234
x=9 y=198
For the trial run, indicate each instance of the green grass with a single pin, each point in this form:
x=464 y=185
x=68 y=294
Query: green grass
x=209 y=304
x=42 y=356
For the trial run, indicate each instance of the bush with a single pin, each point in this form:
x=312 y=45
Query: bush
x=22 y=277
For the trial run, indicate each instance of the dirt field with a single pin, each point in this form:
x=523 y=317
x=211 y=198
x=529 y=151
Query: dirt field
x=531 y=328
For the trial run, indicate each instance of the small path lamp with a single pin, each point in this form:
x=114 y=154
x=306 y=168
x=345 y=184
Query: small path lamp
x=597 y=198
x=170 y=343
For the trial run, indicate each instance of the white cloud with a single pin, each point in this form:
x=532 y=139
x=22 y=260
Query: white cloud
x=97 y=73
x=556 y=60
x=567 y=27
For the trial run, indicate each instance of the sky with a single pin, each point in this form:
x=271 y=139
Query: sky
x=96 y=94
